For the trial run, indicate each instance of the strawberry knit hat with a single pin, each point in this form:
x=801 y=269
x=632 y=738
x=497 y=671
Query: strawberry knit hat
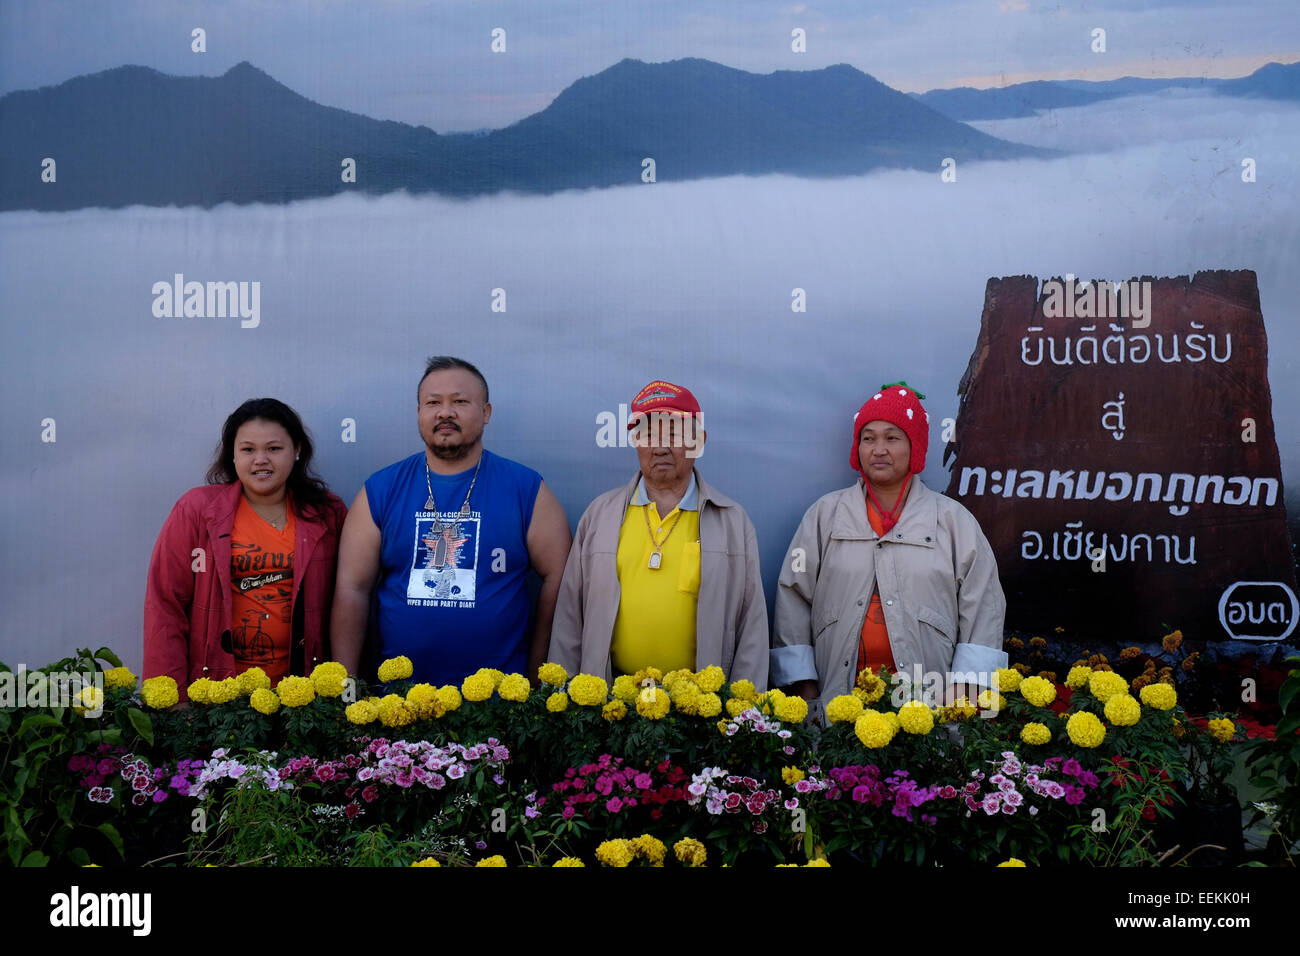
x=899 y=404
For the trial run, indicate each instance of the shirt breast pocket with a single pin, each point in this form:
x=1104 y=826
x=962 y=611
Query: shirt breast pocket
x=688 y=576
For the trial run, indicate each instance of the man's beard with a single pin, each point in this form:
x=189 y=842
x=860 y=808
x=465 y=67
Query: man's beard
x=450 y=452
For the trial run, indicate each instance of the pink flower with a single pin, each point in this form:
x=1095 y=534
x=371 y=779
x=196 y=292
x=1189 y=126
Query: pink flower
x=351 y=810
x=792 y=803
x=139 y=799
x=614 y=804
x=568 y=812
x=733 y=801
x=643 y=781
x=370 y=793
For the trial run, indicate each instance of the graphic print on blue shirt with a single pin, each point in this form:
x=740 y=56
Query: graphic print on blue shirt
x=445 y=566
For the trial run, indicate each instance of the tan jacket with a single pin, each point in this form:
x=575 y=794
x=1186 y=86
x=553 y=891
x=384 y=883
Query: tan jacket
x=938 y=583
x=731 y=614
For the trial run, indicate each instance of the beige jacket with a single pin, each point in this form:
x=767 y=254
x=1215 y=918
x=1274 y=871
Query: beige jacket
x=731 y=614
x=938 y=583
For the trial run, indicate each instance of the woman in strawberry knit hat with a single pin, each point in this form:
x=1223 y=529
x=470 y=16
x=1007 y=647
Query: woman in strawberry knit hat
x=887 y=573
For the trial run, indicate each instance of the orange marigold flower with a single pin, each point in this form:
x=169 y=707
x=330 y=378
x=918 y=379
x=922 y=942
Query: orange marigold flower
x=1171 y=642
x=1040 y=642
x=1016 y=644
x=1141 y=681
x=1048 y=675
x=1129 y=653
x=1022 y=668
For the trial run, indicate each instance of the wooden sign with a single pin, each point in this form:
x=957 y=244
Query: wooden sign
x=1115 y=441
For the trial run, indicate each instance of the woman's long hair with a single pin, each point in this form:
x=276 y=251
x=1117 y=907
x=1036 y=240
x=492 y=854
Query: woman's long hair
x=308 y=491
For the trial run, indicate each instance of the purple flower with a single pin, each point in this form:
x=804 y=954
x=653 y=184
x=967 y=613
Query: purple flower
x=498 y=779
x=787 y=750
x=139 y=799
x=159 y=796
x=456 y=771
x=1071 y=767
x=792 y=803
x=532 y=813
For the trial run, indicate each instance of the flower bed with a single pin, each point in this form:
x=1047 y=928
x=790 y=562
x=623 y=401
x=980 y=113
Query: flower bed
x=658 y=769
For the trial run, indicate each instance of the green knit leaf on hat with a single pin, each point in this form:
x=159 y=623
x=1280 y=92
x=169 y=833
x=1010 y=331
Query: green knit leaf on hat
x=904 y=385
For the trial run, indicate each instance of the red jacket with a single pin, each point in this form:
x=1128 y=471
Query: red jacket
x=187 y=605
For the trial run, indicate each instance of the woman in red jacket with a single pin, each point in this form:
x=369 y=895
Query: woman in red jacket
x=242 y=574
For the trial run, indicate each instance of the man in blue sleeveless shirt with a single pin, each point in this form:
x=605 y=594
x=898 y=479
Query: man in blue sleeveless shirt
x=449 y=535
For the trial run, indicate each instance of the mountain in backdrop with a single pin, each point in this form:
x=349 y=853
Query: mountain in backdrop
x=1274 y=81
x=132 y=135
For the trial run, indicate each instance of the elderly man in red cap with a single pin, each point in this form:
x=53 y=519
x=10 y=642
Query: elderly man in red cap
x=664 y=570
x=887 y=573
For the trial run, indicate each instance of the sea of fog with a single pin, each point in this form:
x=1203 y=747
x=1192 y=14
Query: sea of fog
x=604 y=290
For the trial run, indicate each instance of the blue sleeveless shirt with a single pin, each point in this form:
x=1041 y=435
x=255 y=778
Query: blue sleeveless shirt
x=456 y=601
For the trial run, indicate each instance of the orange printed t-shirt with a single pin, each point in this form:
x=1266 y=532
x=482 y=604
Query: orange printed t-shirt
x=261 y=584
x=874 y=650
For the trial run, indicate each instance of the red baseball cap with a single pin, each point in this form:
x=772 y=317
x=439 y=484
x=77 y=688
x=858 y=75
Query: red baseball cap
x=661 y=396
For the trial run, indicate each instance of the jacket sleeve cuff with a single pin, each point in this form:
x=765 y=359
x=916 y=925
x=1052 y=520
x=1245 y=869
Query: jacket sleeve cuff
x=978 y=659
x=791 y=664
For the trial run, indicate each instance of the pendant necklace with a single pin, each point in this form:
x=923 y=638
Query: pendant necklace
x=656 y=556
x=440 y=549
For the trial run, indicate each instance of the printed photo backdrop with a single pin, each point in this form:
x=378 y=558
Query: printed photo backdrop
x=781 y=206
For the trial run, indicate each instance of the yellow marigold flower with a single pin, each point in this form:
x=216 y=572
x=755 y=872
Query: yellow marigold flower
x=449 y=697
x=820 y=861
x=515 y=687
x=557 y=702
x=119 y=677
x=588 y=690
x=736 y=706
x=1178 y=729
x=960 y=709
x=615 y=710
x=1085 y=730
x=916 y=718
x=329 y=678
x=1006 y=679
x=296 y=691
x=872 y=686
x=616 y=852
x=649 y=673
x=1016 y=644
x=1172 y=641
x=264 y=701
x=1128 y=653
x=744 y=689
x=423 y=700
x=427 y=861
x=783 y=866
x=873 y=729
x=1122 y=710
x=711 y=679
x=555 y=675
x=393 y=711
x=766 y=703
x=362 y=712
x=1106 y=684
x=251 y=679
x=685 y=697
x=497 y=860
x=477 y=686
x=1012 y=862
x=682 y=673
x=223 y=691
x=792 y=775
x=1222 y=729
x=159 y=692
x=1035 y=734
x=91 y=698
x=567 y=860
x=626 y=688
x=650 y=848
x=653 y=703
x=709 y=705
x=1159 y=696
x=792 y=709
x=200 y=692
x=843 y=709
x=1038 y=691
x=1078 y=676
x=991 y=700
x=690 y=852
x=1042 y=642
x=396 y=668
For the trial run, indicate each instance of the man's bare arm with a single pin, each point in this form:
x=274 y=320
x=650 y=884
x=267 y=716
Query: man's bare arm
x=548 y=550
x=358 y=568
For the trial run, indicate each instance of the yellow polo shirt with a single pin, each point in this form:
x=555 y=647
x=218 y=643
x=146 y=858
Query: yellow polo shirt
x=655 y=626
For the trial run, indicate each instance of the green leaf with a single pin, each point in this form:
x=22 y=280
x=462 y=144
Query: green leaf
x=1287 y=694
x=105 y=654
x=35 y=858
x=37 y=720
x=1287 y=725
x=142 y=724
x=114 y=837
x=64 y=805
